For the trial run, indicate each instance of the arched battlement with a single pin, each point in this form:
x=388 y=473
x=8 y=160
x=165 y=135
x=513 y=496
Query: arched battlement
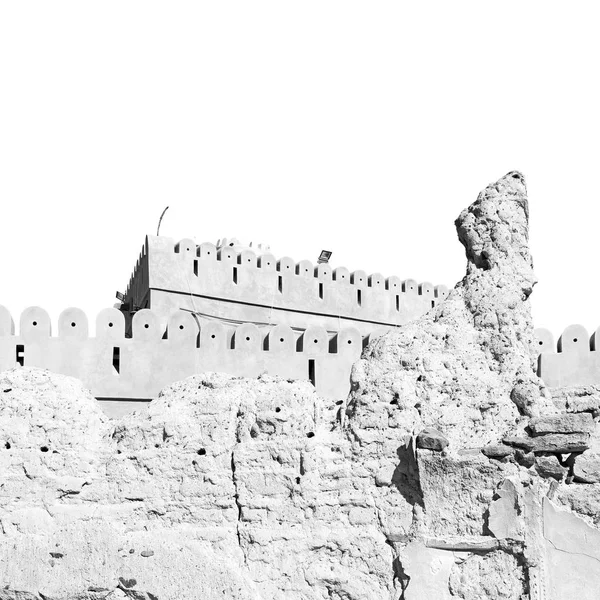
x=305 y=269
x=441 y=291
x=393 y=284
x=7 y=325
x=115 y=366
x=286 y=265
x=358 y=278
x=213 y=336
x=280 y=339
x=314 y=341
x=324 y=272
x=34 y=324
x=186 y=247
x=575 y=361
x=247 y=337
x=544 y=340
x=377 y=281
x=267 y=262
x=236 y=283
x=347 y=341
x=341 y=275
x=426 y=290
x=207 y=251
x=73 y=324
x=182 y=327
x=410 y=286
x=247 y=258
x=146 y=326
x=574 y=339
x=227 y=255
x=110 y=324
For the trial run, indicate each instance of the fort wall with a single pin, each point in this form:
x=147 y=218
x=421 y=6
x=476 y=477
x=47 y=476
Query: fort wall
x=574 y=360
x=116 y=367
x=244 y=287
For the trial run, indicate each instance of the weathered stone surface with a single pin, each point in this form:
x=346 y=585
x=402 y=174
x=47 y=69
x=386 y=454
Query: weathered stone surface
x=577 y=398
x=562 y=443
x=587 y=467
x=563 y=423
x=497 y=450
x=431 y=439
x=494 y=575
x=526 y=443
x=548 y=466
x=503 y=521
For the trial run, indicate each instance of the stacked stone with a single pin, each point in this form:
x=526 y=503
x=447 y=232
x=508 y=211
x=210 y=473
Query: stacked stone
x=552 y=446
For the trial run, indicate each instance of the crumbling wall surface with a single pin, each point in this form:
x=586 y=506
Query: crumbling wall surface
x=493 y=447
x=224 y=488
x=450 y=472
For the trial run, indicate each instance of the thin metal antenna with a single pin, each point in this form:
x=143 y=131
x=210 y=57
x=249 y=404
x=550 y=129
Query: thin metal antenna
x=160 y=220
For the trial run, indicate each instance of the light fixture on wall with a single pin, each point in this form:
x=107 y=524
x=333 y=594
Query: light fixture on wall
x=324 y=256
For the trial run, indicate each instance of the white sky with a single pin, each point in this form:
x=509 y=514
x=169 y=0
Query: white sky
x=363 y=128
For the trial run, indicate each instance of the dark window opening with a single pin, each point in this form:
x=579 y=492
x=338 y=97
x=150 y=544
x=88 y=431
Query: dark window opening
x=280 y=284
x=235 y=275
x=321 y=291
x=196 y=267
x=359 y=297
x=20 y=354
x=398 y=302
x=116 y=361
x=311 y=370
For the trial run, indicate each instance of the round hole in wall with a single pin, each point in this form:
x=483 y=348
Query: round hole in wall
x=35 y=323
x=110 y=324
x=247 y=338
x=7 y=445
x=146 y=326
x=575 y=340
x=44 y=448
x=73 y=324
x=349 y=341
x=316 y=341
x=213 y=336
x=207 y=253
x=188 y=249
x=181 y=327
x=310 y=434
x=281 y=339
x=278 y=409
x=201 y=452
x=541 y=343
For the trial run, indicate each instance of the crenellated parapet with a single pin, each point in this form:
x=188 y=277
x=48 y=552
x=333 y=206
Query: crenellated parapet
x=243 y=286
x=574 y=360
x=161 y=352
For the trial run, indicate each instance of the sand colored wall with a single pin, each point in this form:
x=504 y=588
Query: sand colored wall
x=113 y=366
x=245 y=287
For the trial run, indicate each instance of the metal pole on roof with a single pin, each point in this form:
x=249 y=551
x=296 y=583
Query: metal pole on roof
x=160 y=220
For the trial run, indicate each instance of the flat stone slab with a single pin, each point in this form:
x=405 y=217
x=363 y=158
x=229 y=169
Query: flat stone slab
x=565 y=423
x=497 y=450
x=561 y=443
